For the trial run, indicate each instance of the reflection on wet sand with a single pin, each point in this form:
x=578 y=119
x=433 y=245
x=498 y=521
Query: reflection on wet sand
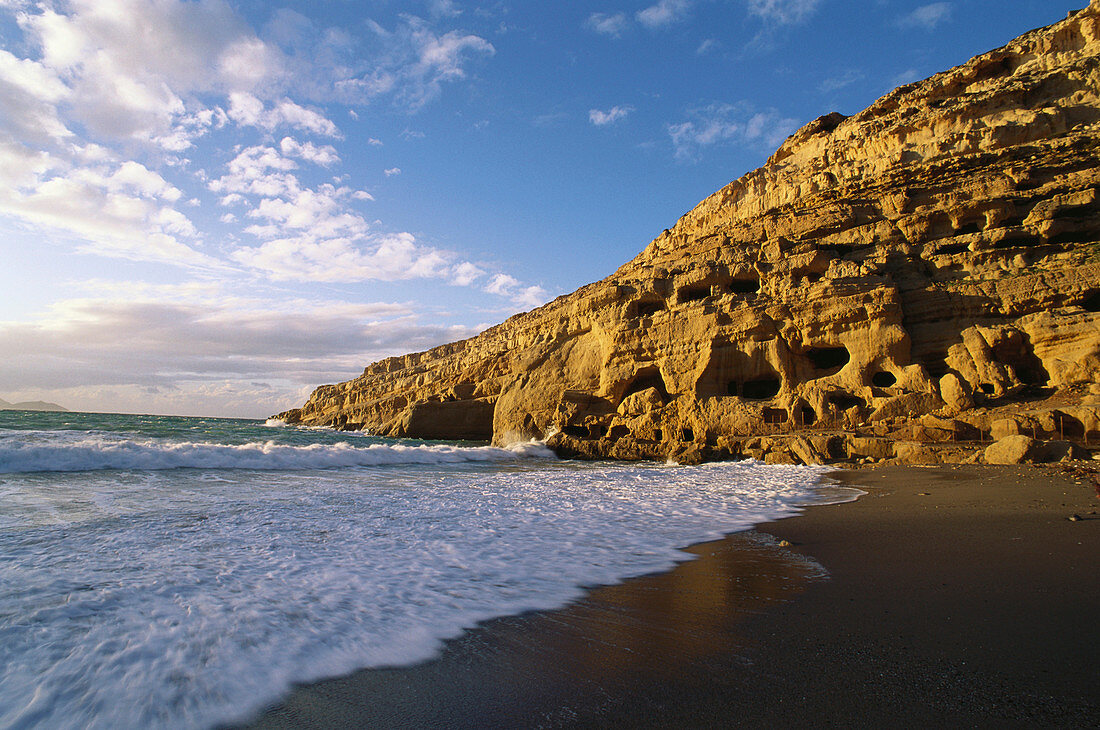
x=651 y=633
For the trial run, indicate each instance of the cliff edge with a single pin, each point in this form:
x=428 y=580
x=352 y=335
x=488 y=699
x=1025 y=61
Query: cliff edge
x=887 y=286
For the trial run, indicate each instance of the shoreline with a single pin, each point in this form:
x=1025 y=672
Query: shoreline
x=954 y=594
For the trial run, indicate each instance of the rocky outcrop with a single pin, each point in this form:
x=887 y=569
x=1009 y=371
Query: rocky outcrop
x=913 y=274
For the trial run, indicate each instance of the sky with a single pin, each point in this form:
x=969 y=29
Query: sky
x=210 y=207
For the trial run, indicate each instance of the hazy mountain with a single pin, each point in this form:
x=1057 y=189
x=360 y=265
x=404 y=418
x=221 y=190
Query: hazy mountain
x=31 y=405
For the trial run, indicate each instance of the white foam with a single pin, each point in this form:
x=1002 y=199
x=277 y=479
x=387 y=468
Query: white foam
x=92 y=452
x=193 y=598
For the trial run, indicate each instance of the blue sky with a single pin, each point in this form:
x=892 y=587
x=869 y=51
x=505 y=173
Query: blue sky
x=210 y=207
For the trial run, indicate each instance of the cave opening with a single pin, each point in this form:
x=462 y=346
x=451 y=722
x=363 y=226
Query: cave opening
x=745 y=286
x=775 y=415
x=829 y=359
x=687 y=435
x=1018 y=353
x=617 y=432
x=1091 y=302
x=1071 y=237
x=1068 y=426
x=952 y=248
x=883 y=379
x=645 y=379
x=936 y=365
x=761 y=388
x=1017 y=241
x=693 y=294
x=838 y=250
x=843 y=401
x=648 y=308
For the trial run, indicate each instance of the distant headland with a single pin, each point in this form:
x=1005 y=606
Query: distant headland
x=31 y=405
x=906 y=284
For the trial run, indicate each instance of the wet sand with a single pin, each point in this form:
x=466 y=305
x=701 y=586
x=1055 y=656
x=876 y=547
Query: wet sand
x=955 y=595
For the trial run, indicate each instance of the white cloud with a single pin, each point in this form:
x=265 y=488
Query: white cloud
x=926 y=16
x=603 y=118
x=308 y=257
x=612 y=25
x=390 y=172
x=250 y=174
x=840 y=80
x=137 y=178
x=466 y=274
x=133 y=69
x=320 y=211
x=708 y=45
x=783 y=11
x=664 y=13
x=444 y=9
x=246 y=109
x=412 y=62
x=907 y=76
x=22 y=167
x=502 y=285
x=118 y=210
x=100 y=99
x=194 y=349
x=719 y=124
x=319 y=155
x=29 y=94
x=441 y=58
x=509 y=287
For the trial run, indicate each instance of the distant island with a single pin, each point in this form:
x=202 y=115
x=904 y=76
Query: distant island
x=31 y=405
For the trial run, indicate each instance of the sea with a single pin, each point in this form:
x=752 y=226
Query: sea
x=171 y=572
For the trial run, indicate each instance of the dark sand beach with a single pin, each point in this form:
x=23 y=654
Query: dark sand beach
x=955 y=595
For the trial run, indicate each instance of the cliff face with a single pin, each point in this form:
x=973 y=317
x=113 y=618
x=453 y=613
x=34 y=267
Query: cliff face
x=935 y=255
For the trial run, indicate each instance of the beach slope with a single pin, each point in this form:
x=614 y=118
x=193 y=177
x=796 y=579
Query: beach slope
x=954 y=595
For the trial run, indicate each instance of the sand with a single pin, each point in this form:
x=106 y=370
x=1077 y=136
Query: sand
x=946 y=596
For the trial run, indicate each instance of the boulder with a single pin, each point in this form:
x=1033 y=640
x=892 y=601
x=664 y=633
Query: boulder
x=1015 y=450
x=806 y=451
x=644 y=401
x=866 y=447
x=1064 y=451
x=956 y=394
x=912 y=452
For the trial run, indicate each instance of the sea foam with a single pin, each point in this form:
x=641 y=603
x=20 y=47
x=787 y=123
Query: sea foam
x=156 y=596
x=89 y=452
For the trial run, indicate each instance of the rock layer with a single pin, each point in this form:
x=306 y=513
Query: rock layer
x=914 y=272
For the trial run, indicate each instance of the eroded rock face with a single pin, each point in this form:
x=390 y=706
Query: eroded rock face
x=936 y=253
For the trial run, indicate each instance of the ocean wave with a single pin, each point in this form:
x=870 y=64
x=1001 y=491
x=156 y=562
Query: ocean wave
x=195 y=599
x=96 y=453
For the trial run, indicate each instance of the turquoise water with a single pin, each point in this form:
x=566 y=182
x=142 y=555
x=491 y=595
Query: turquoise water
x=185 y=572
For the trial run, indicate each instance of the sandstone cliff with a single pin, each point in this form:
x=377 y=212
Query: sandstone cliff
x=926 y=271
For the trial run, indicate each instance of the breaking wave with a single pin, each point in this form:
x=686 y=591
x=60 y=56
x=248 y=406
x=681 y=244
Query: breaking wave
x=23 y=452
